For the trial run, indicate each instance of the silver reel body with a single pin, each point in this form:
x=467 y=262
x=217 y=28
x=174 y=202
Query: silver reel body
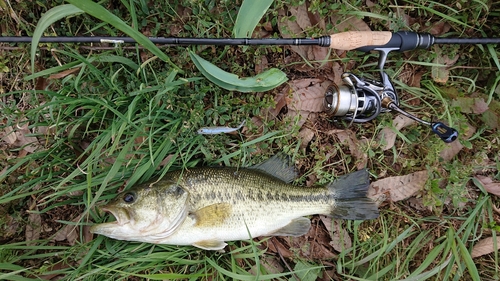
x=361 y=100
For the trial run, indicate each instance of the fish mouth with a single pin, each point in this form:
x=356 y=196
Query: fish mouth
x=121 y=215
x=121 y=218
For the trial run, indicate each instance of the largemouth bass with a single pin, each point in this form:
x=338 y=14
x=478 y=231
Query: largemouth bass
x=207 y=206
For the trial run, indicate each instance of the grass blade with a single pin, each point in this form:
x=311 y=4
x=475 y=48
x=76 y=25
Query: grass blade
x=249 y=15
x=46 y=20
x=104 y=15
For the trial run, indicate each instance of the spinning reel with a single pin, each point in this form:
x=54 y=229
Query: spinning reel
x=361 y=100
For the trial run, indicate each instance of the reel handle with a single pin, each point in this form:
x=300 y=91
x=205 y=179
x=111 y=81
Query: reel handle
x=445 y=133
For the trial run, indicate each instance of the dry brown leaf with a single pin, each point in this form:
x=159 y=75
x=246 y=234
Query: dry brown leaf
x=64 y=73
x=305 y=135
x=439 y=28
x=9 y=136
x=398 y=188
x=480 y=106
x=485 y=246
x=320 y=54
x=307 y=99
x=290 y=29
x=281 y=100
x=489 y=185
x=17 y=136
x=301 y=16
x=341 y=240
x=440 y=72
x=68 y=232
x=453 y=148
x=271 y=264
x=349 y=137
x=470 y=105
x=310 y=98
x=34 y=226
x=349 y=23
x=261 y=64
x=336 y=74
x=387 y=136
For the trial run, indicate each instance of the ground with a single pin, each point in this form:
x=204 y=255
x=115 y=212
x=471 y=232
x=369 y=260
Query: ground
x=88 y=120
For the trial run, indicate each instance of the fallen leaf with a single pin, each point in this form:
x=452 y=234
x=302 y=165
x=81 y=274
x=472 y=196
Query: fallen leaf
x=337 y=71
x=307 y=97
x=305 y=135
x=439 y=28
x=485 y=246
x=68 y=232
x=491 y=119
x=301 y=16
x=289 y=29
x=33 y=227
x=387 y=136
x=440 y=72
x=349 y=137
x=17 y=136
x=60 y=265
x=470 y=105
x=310 y=98
x=278 y=245
x=261 y=64
x=9 y=136
x=271 y=264
x=41 y=83
x=341 y=240
x=64 y=73
x=489 y=185
x=398 y=188
x=344 y=23
x=480 y=106
x=320 y=54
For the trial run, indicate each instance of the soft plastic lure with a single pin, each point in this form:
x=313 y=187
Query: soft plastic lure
x=219 y=130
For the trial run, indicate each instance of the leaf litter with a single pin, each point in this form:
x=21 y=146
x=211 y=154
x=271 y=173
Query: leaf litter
x=485 y=246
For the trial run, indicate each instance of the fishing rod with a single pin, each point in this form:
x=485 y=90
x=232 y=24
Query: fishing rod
x=358 y=100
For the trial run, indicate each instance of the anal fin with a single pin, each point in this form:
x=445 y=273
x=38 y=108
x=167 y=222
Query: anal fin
x=296 y=227
x=212 y=245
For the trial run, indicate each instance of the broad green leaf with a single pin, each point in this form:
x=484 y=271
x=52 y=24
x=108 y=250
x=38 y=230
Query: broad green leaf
x=104 y=15
x=262 y=82
x=249 y=15
x=46 y=20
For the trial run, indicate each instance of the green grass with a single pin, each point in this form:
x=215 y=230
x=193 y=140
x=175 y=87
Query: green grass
x=128 y=114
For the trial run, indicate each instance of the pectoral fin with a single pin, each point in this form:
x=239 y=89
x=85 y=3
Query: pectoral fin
x=210 y=245
x=297 y=227
x=212 y=215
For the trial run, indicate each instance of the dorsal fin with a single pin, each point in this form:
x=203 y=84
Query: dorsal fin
x=279 y=166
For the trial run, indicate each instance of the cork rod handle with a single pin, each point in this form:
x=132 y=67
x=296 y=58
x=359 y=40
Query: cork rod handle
x=351 y=40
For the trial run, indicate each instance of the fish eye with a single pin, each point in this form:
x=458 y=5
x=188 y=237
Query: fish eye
x=129 y=197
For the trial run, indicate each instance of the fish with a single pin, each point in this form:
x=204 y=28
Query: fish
x=207 y=206
x=219 y=130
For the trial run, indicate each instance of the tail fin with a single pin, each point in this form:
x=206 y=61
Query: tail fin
x=349 y=192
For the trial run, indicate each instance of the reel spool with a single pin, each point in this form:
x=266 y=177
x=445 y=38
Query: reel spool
x=361 y=100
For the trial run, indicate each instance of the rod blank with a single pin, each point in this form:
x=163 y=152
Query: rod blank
x=322 y=41
x=359 y=40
